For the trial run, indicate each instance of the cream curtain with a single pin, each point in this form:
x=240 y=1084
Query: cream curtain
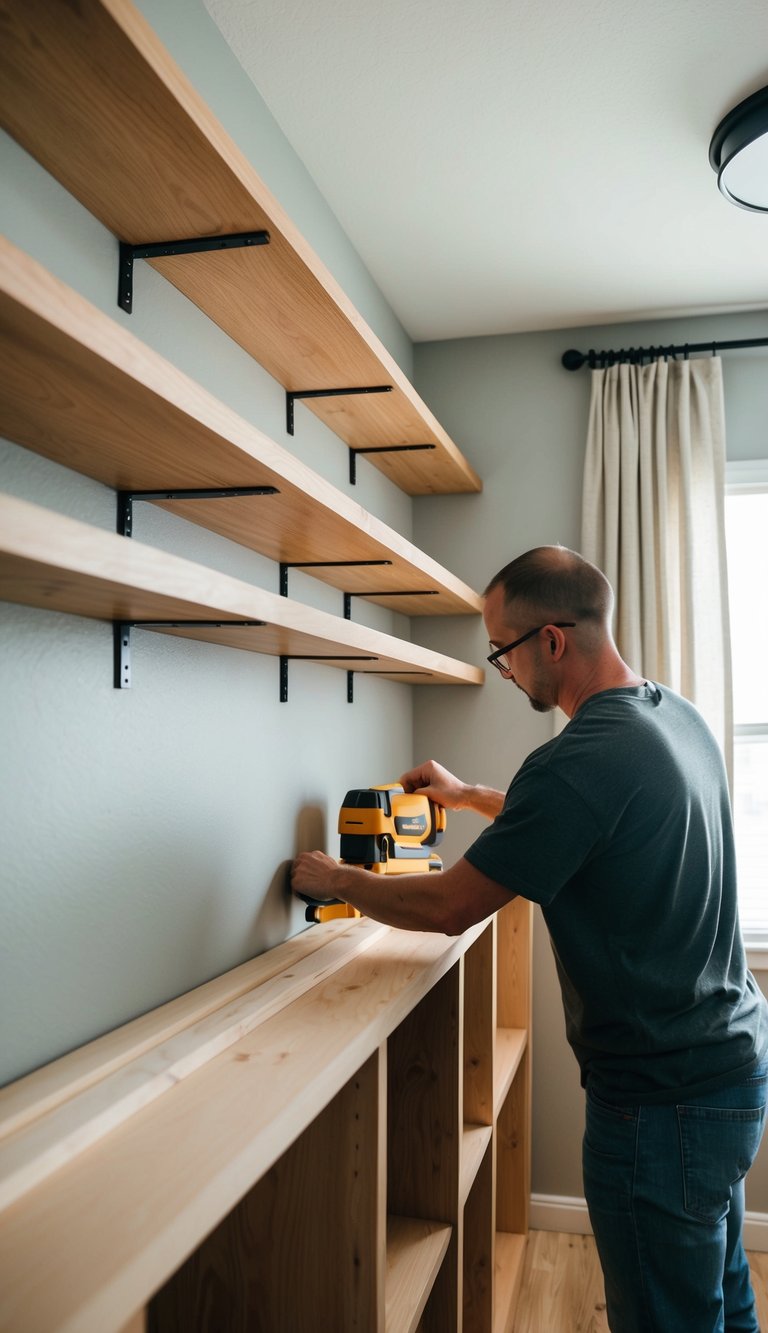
x=653 y=520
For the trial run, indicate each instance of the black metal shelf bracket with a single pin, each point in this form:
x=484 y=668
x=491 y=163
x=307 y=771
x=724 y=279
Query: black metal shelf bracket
x=385 y=592
x=121 y=631
x=380 y=449
x=320 y=564
x=292 y=394
x=161 y=249
x=125 y=500
x=285 y=658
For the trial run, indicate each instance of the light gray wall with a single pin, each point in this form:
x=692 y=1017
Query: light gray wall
x=522 y=419
x=145 y=833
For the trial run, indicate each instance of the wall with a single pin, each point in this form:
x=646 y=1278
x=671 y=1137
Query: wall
x=145 y=833
x=522 y=420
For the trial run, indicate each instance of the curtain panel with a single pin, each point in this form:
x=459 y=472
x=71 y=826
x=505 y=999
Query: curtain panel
x=653 y=520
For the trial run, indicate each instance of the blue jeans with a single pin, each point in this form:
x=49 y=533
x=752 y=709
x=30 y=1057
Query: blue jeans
x=665 y=1191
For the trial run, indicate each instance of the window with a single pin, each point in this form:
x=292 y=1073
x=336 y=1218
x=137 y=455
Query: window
x=746 y=529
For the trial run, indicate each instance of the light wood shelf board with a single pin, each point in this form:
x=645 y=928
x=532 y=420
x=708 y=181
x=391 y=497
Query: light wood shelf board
x=415 y=1251
x=508 y=1273
x=474 y=1142
x=91 y=92
x=82 y=390
x=57 y=563
x=174 y=1172
x=510 y=1044
x=514 y=934
x=31 y=1155
x=44 y=1089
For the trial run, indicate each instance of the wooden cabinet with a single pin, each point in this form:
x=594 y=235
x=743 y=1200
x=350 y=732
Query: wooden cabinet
x=332 y=1136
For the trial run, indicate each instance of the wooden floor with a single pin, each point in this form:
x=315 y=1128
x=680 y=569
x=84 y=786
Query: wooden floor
x=563 y=1291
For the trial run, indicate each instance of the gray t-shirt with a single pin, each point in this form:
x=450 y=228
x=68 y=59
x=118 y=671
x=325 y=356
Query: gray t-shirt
x=621 y=829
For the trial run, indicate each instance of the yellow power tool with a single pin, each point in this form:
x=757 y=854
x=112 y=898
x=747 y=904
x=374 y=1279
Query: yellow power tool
x=388 y=831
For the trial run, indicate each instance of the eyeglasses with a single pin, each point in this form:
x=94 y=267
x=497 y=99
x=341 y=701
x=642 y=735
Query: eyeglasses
x=499 y=658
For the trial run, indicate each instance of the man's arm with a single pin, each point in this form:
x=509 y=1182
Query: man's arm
x=446 y=901
x=432 y=780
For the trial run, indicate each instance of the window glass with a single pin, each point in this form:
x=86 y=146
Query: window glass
x=746 y=512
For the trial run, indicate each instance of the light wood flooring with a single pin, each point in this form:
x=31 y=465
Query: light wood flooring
x=562 y=1289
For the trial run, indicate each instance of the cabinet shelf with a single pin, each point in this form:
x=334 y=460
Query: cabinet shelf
x=510 y=1254
x=92 y=94
x=60 y=564
x=415 y=1251
x=510 y=1044
x=474 y=1142
x=82 y=390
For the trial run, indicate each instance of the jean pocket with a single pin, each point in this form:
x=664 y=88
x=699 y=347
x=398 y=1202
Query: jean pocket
x=718 y=1146
x=608 y=1155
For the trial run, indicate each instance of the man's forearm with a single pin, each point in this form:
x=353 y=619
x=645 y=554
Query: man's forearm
x=448 y=901
x=483 y=800
x=410 y=902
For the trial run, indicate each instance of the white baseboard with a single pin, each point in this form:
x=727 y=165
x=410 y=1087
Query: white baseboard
x=556 y=1212
x=755 y=1232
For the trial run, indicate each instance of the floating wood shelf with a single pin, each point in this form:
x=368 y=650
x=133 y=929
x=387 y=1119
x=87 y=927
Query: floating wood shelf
x=85 y=392
x=57 y=563
x=181 y=1171
x=89 y=90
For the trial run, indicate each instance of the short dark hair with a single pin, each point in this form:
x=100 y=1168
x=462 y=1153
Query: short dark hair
x=553 y=582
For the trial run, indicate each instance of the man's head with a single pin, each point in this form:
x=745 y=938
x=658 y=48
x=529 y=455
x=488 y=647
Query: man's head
x=567 y=600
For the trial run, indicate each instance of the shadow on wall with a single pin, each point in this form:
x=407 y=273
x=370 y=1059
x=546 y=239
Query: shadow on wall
x=279 y=914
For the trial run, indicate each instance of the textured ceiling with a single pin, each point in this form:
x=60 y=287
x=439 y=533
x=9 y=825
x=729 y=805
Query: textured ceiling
x=506 y=165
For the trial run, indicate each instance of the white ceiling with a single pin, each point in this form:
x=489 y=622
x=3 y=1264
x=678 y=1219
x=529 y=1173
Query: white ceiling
x=508 y=165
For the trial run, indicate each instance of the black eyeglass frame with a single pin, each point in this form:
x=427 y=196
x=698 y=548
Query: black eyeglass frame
x=502 y=652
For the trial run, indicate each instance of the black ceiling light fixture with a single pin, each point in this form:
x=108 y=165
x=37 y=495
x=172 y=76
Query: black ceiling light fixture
x=739 y=153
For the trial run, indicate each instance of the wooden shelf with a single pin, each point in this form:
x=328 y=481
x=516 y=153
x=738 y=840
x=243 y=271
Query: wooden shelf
x=415 y=1251
x=59 y=564
x=510 y=1044
x=474 y=1142
x=82 y=390
x=90 y=91
x=510 y=1255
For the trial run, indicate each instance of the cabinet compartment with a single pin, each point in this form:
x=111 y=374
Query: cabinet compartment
x=424 y=1130
x=304 y=1249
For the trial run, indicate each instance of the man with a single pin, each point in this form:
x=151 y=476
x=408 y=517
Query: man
x=620 y=828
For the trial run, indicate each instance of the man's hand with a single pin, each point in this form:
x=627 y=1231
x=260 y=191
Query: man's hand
x=311 y=874
x=432 y=780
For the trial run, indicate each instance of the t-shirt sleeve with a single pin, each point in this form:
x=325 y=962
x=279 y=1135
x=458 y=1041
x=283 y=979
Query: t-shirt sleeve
x=543 y=835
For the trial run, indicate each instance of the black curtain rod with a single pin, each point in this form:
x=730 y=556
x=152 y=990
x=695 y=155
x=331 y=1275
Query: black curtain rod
x=573 y=360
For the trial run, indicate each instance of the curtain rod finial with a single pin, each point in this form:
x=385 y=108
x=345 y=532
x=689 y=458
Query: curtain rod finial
x=573 y=360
